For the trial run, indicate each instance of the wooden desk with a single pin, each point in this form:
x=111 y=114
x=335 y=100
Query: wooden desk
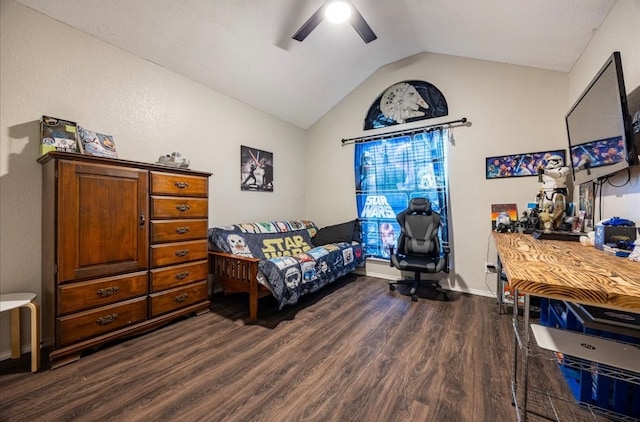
x=569 y=271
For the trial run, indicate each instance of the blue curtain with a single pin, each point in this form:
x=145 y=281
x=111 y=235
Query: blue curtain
x=391 y=171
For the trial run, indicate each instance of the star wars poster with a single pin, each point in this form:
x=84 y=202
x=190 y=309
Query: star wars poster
x=256 y=169
x=388 y=174
x=519 y=165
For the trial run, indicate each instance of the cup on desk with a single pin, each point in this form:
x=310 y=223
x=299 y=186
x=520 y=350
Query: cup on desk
x=589 y=239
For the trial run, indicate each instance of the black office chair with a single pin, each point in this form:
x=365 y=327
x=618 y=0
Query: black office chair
x=419 y=247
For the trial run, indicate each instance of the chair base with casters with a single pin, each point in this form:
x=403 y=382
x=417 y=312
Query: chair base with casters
x=417 y=282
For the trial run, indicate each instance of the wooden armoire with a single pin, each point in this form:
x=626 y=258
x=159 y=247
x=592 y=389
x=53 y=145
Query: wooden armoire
x=124 y=250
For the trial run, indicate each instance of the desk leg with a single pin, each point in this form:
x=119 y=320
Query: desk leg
x=514 y=363
x=499 y=287
x=15 y=333
x=525 y=355
x=35 y=336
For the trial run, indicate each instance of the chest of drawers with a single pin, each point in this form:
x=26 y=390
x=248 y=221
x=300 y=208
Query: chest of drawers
x=124 y=250
x=179 y=210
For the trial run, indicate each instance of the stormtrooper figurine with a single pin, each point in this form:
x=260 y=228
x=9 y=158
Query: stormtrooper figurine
x=553 y=191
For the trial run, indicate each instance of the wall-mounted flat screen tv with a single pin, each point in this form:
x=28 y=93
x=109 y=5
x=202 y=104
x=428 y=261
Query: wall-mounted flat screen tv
x=601 y=140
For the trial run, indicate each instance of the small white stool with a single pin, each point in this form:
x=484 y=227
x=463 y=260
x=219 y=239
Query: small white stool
x=13 y=302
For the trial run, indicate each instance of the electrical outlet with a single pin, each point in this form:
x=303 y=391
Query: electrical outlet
x=489 y=268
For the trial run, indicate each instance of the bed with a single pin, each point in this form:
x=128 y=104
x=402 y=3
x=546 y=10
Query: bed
x=285 y=259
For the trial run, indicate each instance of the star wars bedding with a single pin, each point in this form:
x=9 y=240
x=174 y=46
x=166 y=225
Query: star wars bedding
x=291 y=266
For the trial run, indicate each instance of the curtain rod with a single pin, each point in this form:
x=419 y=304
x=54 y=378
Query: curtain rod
x=434 y=126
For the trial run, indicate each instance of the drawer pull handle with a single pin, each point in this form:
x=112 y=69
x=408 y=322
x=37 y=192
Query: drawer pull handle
x=182 y=252
x=182 y=230
x=108 y=291
x=181 y=298
x=106 y=320
x=183 y=207
x=182 y=185
x=182 y=275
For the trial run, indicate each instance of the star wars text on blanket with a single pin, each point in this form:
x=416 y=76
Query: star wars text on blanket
x=293 y=257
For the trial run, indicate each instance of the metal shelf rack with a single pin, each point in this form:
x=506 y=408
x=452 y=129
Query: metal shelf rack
x=534 y=404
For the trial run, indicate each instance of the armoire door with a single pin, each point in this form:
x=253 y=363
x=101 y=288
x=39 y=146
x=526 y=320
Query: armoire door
x=102 y=220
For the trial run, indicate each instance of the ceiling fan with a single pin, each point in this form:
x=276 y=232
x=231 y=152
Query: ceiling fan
x=326 y=10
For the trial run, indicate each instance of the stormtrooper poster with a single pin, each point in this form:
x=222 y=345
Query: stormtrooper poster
x=256 y=169
x=405 y=102
x=388 y=174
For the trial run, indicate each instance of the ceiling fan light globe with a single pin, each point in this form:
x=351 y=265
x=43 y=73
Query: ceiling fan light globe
x=337 y=11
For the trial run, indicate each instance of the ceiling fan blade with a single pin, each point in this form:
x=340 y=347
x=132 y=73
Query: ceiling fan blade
x=362 y=27
x=309 y=25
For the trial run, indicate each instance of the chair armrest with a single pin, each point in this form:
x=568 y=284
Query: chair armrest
x=233 y=267
x=238 y=274
x=391 y=250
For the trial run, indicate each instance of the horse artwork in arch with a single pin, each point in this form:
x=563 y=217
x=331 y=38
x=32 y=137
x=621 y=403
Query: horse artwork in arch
x=406 y=102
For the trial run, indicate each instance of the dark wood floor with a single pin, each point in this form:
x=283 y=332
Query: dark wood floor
x=352 y=352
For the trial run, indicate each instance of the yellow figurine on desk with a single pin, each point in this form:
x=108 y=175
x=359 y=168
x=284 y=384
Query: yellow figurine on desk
x=551 y=198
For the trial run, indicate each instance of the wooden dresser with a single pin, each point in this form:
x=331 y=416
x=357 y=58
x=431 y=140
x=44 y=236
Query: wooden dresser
x=124 y=250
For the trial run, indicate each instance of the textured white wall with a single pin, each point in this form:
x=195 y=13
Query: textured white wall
x=49 y=68
x=619 y=32
x=512 y=109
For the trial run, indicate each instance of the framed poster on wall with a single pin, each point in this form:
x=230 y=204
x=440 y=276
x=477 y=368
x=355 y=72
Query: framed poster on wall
x=519 y=165
x=256 y=169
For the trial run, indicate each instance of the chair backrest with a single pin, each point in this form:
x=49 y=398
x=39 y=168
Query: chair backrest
x=419 y=225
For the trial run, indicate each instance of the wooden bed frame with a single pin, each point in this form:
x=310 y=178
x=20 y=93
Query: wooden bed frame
x=238 y=274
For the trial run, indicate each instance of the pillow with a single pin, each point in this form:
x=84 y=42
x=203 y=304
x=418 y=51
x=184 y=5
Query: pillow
x=357 y=232
x=345 y=232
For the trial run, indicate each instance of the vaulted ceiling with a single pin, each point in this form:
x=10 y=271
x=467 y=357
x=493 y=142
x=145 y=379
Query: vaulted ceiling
x=243 y=48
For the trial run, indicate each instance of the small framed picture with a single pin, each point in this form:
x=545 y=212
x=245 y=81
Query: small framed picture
x=503 y=211
x=578 y=220
x=586 y=197
x=519 y=165
x=256 y=169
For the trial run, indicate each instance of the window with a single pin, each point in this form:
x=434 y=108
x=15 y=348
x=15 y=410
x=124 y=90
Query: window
x=391 y=171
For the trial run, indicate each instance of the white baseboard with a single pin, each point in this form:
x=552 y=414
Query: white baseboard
x=475 y=292
x=7 y=353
